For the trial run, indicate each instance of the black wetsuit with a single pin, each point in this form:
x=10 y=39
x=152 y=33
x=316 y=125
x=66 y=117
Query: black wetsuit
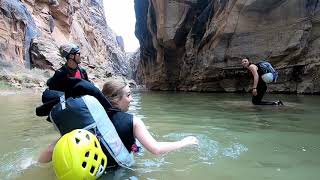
x=58 y=80
x=261 y=90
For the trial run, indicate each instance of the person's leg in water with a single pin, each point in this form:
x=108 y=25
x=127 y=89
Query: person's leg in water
x=261 y=90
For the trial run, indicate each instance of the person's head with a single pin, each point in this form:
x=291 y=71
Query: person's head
x=71 y=52
x=118 y=93
x=245 y=62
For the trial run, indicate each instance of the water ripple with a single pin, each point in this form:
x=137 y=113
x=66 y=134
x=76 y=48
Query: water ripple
x=234 y=150
x=209 y=149
x=14 y=163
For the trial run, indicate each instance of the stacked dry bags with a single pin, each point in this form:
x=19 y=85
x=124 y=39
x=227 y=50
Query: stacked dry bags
x=86 y=112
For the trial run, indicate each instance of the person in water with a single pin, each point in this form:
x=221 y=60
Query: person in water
x=259 y=87
x=129 y=127
x=71 y=52
x=120 y=96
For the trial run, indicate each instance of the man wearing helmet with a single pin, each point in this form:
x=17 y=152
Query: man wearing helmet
x=71 y=68
x=259 y=87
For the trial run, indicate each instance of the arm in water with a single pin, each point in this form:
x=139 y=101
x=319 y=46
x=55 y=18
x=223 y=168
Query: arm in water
x=143 y=135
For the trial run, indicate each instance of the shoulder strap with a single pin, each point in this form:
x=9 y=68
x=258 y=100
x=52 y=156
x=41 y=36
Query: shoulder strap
x=108 y=134
x=83 y=73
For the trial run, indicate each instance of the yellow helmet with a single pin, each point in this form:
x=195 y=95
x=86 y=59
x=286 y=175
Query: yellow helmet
x=78 y=155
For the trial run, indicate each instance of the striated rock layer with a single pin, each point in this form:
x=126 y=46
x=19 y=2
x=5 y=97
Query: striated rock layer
x=197 y=45
x=32 y=30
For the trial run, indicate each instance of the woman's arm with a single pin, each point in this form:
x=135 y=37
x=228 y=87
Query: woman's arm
x=142 y=134
x=46 y=155
x=254 y=70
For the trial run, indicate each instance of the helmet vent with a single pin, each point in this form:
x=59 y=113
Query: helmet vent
x=77 y=140
x=88 y=137
x=95 y=144
x=95 y=157
x=102 y=162
x=92 y=169
x=84 y=164
x=87 y=154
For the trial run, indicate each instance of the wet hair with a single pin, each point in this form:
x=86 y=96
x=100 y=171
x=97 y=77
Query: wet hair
x=114 y=90
x=247 y=58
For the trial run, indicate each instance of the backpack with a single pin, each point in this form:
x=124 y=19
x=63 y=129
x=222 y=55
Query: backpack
x=86 y=112
x=266 y=67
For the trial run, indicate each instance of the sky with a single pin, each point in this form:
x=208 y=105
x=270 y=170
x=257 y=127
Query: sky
x=121 y=19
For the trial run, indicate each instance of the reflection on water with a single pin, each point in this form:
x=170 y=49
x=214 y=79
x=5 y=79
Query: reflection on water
x=236 y=139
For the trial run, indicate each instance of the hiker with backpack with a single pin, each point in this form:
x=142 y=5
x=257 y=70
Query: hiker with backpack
x=262 y=73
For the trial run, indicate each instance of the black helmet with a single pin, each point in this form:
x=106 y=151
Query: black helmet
x=67 y=49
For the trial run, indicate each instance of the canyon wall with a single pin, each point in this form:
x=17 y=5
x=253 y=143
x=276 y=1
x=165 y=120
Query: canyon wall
x=197 y=45
x=31 y=32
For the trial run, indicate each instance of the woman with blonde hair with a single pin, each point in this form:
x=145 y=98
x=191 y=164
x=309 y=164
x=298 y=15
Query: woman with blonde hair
x=120 y=96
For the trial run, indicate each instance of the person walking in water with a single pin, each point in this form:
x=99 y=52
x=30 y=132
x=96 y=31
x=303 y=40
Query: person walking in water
x=127 y=126
x=262 y=73
x=71 y=52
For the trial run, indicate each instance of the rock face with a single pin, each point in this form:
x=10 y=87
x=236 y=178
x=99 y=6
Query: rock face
x=120 y=42
x=197 y=45
x=17 y=28
x=136 y=68
x=32 y=30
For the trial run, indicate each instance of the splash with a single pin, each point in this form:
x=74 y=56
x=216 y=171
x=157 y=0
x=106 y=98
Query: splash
x=234 y=150
x=152 y=165
x=14 y=163
x=209 y=149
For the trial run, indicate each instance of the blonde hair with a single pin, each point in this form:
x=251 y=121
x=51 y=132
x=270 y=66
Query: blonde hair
x=114 y=90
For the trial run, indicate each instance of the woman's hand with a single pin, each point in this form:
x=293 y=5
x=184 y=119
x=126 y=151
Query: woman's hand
x=254 y=92
x=190 y=140
x=144 y=137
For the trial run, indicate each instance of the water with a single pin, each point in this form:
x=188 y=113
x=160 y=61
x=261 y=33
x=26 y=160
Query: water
x=236 y=139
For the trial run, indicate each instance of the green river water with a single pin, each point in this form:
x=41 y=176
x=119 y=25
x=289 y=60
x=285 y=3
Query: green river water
x=237 y=141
